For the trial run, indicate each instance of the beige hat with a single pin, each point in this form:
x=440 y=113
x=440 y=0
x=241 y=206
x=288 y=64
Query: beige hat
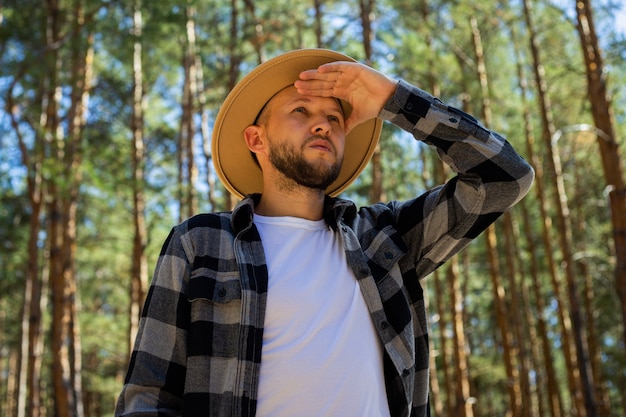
x=233 y=162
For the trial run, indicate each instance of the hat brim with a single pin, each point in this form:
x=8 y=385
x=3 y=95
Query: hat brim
x=232 y=159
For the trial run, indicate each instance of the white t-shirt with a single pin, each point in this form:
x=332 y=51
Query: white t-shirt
x=321 y=354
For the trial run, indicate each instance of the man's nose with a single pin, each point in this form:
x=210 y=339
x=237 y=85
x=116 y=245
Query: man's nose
x=322 y=126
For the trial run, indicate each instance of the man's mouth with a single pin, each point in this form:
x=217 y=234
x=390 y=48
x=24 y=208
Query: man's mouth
x=320 y=143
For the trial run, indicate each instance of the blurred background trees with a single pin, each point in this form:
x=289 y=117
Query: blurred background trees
x=105 y=124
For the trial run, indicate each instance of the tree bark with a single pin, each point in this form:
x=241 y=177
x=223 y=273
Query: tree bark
x=446 y=406
x=509 y=348
x=233 y=68
x=366 y=10
x=139 y=262
x=462 y=391
x=516 y=321
x=317 y=25
x=258 y=38
x=553 y=395
x=569 y=354
x=59 y=290
x=62 y=210
x=188 y=172
x=609 y=150
x=564 y=226
x=29 y=393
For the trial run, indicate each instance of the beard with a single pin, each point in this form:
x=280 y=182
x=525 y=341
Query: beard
x=292 y=164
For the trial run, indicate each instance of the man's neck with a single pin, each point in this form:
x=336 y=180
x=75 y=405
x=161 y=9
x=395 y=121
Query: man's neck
x=304 y=203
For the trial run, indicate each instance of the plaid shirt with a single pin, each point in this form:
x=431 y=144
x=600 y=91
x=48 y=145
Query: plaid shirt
x=198 y=350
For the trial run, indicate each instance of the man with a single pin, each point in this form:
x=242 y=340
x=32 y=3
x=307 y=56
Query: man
x=296 y=303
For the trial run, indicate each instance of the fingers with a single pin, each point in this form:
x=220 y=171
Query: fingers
x=313 y=82
x=327 y=80
x=315 y=87
x=332 y=70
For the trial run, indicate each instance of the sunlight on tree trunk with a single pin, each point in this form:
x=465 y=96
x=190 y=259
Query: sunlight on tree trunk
x=233 y=69
x=545 y=358
x=366 y=9
x=204 y=132
x=445 y=370
x=62 y=212
x=518 y=326
x=462 y=395
x=188 y=171
x=564 y=228
x=28 y=398
x=580 y=225
x=583 y=397
x=510 y=351
x=554 y=401
x=609 y=150
x=139 y=262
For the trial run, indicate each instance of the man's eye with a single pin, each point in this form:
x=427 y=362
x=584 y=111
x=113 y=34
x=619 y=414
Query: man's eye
x=333 y=118
x=299 y=110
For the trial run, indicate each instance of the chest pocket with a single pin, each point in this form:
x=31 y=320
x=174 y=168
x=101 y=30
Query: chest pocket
x=214 y=286
x=215 y=314
x=215 y=297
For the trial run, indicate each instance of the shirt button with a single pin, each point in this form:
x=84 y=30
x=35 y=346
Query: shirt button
x=453 y=120
x=384 y=324
x=222 y=292
x=406 y=372
x=388 y=255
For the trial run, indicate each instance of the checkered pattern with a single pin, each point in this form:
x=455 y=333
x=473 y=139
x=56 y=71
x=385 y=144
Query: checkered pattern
x=198 y=350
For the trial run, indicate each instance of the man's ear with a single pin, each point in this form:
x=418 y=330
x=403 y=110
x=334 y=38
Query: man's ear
x=254 y=138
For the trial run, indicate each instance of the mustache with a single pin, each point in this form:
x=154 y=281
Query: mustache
x=324 y=138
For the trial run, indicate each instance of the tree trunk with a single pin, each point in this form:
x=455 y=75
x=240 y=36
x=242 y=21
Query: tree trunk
x=29 y=397
x=233 y=68
x=609 y=150
x=443 y=352
x=258 y=38
x=188 y=172
x=29 y=392
x=601 y=394
x=204 y=132
x=581 y=229
x=553 y=395
x=564 y=226
x=509 y=349
x=435 y=390
x=366 y=9
x=569 y=353
x=62 y=209
x=12 y=375
x=517 y=322
x=462 y=392
x=139 y=262
x=317 y=6
x=60 y=297
x=500 y=303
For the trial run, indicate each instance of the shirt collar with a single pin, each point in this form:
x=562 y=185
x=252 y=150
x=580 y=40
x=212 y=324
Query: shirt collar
x=336 y=210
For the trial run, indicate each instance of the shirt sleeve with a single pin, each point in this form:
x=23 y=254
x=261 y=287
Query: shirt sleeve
x=156 y=374
x=490 y=177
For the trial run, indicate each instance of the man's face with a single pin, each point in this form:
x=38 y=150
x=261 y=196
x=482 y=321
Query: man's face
x=305 y=136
